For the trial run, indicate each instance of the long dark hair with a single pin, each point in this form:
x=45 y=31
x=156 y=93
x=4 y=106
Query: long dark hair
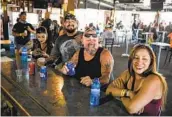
x=42 y=29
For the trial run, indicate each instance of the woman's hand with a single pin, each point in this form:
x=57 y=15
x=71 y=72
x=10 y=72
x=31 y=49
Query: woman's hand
x=29 y=51
x=87 y=81
x=141 y=111
x=131 y=94
x=44 y=54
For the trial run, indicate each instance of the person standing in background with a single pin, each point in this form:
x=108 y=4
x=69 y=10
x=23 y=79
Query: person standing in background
x=21 y=31
x=134 y=28
x=48 y=24
x=108 y=33
x=55 y=30
x=5 y=22
x=61 y=28
x=168 y=28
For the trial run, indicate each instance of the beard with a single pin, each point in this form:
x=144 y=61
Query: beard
x=91 y=49
x=69 y=30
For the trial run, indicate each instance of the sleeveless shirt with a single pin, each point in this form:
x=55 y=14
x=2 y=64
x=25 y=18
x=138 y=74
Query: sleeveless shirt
x=90 y=68
x=153 y=108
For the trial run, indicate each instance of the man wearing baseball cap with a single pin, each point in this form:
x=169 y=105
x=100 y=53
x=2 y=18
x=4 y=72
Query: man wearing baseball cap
x=67 y=44
x=21 y=31
x=108 y=33
x=91 y=61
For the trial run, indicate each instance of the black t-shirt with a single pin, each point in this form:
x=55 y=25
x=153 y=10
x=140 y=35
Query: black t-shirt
x=20 y=28
x=65 y=46
x=47 y=24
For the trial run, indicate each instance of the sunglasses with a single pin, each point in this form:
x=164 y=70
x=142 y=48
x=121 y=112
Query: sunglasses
x=90 y=28
x=89 y=35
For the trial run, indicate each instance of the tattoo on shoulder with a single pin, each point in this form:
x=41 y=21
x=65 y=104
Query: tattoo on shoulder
x=108 y=65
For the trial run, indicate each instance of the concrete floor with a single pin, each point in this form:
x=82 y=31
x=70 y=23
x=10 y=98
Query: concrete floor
x=120 y=64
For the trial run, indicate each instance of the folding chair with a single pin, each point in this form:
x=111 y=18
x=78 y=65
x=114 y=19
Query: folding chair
x=169 y=53
x=109 y=43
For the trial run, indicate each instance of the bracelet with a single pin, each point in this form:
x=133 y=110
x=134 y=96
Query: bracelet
x=127 y=93
x=123 y=92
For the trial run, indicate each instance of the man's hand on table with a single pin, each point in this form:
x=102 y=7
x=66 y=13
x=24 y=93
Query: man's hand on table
x=64 y=69
x=87 y=81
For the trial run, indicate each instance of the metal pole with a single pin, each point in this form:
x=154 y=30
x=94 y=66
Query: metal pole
x=126 y=44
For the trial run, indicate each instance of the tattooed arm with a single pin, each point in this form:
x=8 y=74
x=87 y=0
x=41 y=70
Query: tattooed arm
x=74 y=60
x=107 y=63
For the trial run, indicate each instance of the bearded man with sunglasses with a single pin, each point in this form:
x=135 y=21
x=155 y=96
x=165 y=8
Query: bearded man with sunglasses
x=91 y=61
x=67 y=44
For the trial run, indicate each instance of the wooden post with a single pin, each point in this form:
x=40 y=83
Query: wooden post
x=71 y=6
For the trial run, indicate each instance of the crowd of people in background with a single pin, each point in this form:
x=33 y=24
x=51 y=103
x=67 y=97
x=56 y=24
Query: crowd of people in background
x=152 y=27
x=141 y=88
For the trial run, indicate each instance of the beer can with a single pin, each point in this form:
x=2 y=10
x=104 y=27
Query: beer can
x=43 y=73
x=25 y=32
x=71 y=68
x=31 y=68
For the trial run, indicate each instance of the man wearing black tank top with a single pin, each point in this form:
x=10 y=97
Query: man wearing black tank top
x=91 y=61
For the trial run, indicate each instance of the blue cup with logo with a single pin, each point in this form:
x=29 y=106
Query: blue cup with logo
x=71 y=68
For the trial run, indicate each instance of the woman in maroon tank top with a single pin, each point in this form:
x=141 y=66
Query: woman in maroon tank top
x=142 y=89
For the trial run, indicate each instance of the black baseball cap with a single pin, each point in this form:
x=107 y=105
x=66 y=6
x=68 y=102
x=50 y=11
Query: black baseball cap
x=23 y=13
x=69 y=16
